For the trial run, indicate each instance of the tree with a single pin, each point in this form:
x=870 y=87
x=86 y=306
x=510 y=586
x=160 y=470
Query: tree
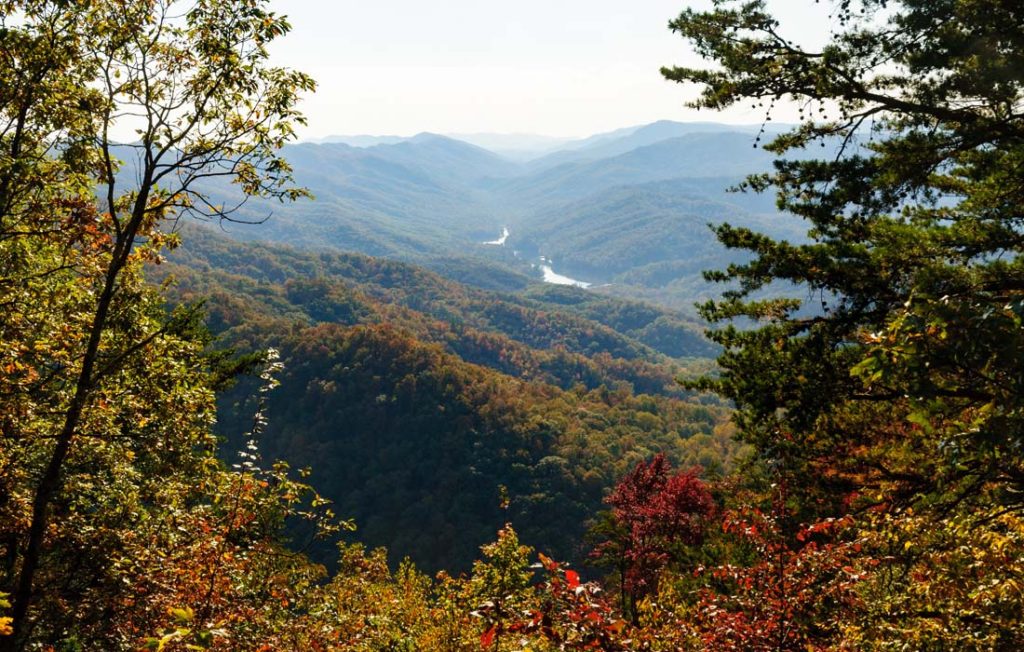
x=654 y=512
x=895 y=392
x=573 y=615
x=500 y=588
x=191 y=79
x=792 y=590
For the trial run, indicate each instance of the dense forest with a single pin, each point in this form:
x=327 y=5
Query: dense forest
x=199 y=437
x=417 y=401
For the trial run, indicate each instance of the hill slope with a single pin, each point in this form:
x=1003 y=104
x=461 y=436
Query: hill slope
x=602 y=215
x=417 y=398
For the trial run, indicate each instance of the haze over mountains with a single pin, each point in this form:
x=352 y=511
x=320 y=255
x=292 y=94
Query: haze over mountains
x=626 y=211
x=527 y=147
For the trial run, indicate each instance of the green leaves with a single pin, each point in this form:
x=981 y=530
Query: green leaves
x=894 y=387
x=108 y=456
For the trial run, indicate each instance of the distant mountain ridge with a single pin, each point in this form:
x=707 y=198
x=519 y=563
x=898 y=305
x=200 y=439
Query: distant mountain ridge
x=693 y=155
x=526 y=147
x=625 y=140
x=358 y=140
x=516 y=147
x=435 y=200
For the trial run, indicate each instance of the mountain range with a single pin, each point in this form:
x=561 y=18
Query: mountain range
x=418 y=400
x=626 y=211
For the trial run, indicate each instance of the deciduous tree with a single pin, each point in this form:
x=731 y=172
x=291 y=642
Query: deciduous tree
x=91 y=362
x=654 y=512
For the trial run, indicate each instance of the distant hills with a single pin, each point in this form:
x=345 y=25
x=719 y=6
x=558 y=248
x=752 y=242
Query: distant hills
x=517 y=147
x=428 y=369
x=715 y=158
x=630 y=138
x=604 y=209
x=555 y=149
x=360 y=141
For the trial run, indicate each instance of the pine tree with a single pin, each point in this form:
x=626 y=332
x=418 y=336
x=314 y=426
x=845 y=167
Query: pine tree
x=893 y=391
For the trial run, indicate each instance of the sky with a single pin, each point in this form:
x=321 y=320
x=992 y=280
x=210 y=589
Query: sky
x=565 y=68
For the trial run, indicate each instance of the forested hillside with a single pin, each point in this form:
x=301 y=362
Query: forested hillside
x=418 y=400
x=417 y=447
x=330 y=286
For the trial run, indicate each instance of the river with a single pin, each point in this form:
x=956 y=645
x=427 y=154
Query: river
x=550 y=275
x=500 y=241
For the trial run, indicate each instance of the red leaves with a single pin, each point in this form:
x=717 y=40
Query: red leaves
x=573 y=579
x=574 y=615
x=487 y=638
x=654 y=512
x=792 y=595
x=653 y=503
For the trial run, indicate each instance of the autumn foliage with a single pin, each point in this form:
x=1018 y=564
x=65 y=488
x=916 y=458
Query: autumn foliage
x=655 y=514
x=877 y=506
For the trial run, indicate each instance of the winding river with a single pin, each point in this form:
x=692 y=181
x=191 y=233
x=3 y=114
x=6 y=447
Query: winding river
x=500 y=241
x=550 y=275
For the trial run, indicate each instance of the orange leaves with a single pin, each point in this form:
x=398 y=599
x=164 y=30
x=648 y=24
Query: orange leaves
x=549 y=564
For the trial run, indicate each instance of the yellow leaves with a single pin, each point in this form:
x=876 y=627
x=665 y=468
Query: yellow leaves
x=964 y=568
x=181 y=615
x=6 y=622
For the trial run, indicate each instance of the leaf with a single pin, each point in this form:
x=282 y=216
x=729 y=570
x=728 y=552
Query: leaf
x=573 y=578
x=182 y=616
x=487 y=638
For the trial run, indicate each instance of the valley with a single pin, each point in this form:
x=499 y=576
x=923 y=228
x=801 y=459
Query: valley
x=417 y=399
x=626 y=213
x=456 y=324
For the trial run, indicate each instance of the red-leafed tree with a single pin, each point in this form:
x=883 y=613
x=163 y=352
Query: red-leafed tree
x=655 y=514
x=793 y=592
x=573 y=614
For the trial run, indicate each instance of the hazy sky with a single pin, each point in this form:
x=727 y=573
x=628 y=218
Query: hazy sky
x=555 y=67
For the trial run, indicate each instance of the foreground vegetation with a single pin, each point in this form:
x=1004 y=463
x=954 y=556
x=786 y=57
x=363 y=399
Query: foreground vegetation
x=879 y=507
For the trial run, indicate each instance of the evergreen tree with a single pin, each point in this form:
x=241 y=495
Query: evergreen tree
x=894 y=390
